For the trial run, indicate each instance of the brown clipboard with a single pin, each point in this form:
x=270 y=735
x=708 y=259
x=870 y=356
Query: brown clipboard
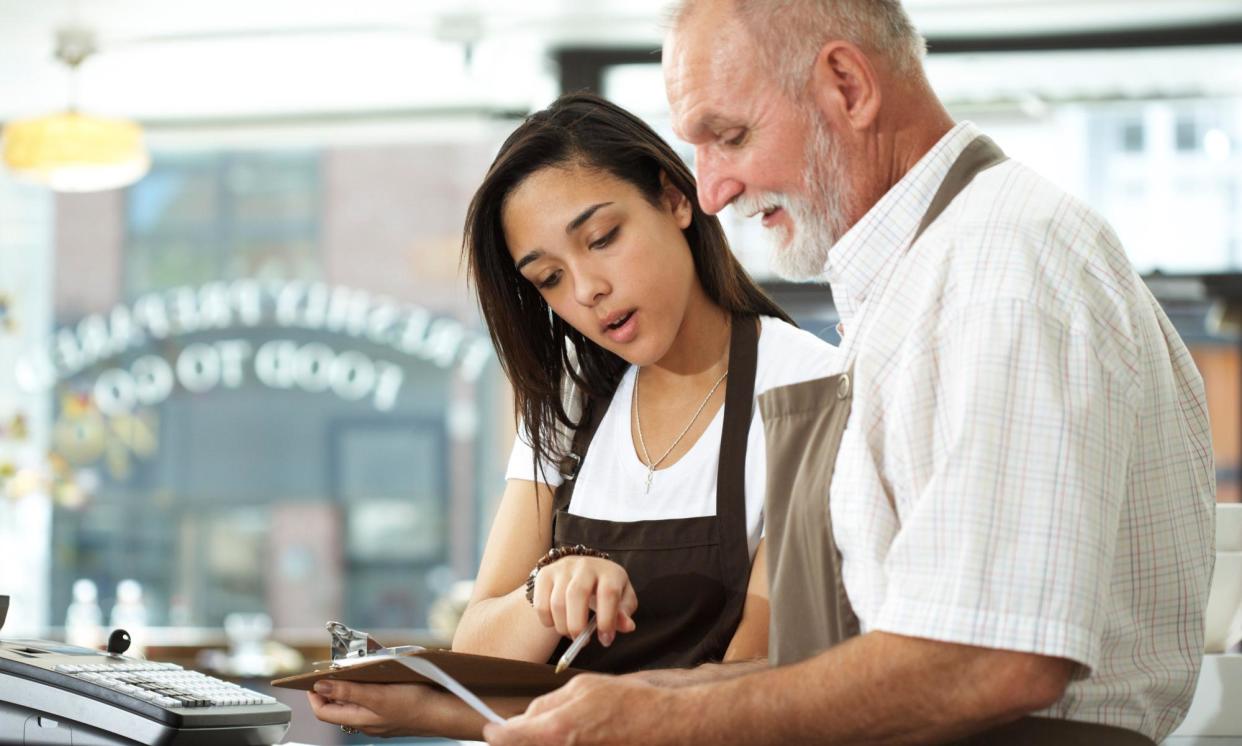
x=484 y=675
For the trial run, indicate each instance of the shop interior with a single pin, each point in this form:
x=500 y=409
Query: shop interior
x=244 y=388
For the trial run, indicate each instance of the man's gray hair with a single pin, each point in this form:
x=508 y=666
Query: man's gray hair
x=789 y=33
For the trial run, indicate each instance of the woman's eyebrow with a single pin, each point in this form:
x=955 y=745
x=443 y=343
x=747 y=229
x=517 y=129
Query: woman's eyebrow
x=532 y=256
x=570 y=227
x=583 y=216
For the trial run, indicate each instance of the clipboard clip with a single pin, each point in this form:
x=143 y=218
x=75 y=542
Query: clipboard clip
x=351 y=644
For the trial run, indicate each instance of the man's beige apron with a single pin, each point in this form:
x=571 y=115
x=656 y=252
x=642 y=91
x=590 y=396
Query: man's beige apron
x=803 y=425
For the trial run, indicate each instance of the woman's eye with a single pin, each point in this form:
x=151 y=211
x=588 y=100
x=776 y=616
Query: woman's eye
x=550 y=280
x=605 y=239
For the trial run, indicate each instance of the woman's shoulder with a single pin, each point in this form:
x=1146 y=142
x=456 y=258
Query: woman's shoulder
x=790 y=355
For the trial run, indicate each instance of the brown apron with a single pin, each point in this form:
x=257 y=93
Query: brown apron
x=803 y=424
x=690 y=574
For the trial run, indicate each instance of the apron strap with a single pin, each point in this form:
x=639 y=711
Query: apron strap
x=977 y=157
x=731 y=469
x=593 y=410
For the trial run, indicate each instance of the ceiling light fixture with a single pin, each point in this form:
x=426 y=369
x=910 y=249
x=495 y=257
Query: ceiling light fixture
x=71 y=151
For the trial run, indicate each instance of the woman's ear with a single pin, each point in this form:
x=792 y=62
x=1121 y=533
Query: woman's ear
x=676 y=202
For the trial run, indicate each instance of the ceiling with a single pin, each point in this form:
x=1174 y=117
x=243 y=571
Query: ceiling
x=181 y=60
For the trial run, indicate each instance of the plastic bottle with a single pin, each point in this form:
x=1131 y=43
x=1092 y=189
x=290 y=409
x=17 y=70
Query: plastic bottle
x=84 y=619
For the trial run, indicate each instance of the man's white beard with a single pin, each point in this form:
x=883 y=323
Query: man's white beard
x=819 y=219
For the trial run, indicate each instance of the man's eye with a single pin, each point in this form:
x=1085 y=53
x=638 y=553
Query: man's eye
x=734 y=137
x=605 y=239
x=550 y=280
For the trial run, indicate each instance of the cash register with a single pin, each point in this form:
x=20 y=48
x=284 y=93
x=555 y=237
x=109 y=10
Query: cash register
x=53 y=693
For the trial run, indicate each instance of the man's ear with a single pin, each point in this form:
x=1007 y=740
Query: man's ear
x=676 y=201
x=844 y=85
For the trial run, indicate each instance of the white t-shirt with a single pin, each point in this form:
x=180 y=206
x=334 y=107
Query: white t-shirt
x=611 y=482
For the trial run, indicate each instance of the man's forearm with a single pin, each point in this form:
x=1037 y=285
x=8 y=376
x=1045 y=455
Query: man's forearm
x=704 y=674
x=878 y=688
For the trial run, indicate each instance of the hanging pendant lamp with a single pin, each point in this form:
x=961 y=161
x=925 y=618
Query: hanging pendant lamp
x=72 y=151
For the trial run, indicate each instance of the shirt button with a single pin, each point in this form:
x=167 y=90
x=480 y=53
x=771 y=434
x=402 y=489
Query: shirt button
x=843 y=386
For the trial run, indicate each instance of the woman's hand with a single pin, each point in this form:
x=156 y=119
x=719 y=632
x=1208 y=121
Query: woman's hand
x=567 y=589
x=403 y=709
x=381 y=709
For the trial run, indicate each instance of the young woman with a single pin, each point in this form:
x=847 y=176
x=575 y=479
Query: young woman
x=636 y=345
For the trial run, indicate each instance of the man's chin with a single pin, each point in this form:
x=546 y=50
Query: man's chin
x=792 y=261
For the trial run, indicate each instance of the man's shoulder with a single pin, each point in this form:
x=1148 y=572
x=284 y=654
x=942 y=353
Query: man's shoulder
x=1014 y=196
x=788 y=355
x=1013 y=234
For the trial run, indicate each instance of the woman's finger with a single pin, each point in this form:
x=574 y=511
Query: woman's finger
x=578 y=596
x=337 y=691
x=607 y=599
x=340 y=713
x=556 y=604
x=629 y=600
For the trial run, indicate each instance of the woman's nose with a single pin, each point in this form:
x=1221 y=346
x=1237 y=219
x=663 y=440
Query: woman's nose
x=589 y=287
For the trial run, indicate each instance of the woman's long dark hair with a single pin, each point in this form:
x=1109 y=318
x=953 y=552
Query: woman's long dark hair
x=533 y=343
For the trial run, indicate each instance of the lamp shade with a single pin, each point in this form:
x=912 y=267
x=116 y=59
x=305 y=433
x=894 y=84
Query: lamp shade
x=73 y=152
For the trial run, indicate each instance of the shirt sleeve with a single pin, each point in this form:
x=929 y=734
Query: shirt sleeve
x=1008 y=522
x=522 y=463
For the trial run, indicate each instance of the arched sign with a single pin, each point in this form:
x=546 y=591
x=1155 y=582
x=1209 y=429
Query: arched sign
x=407 y=329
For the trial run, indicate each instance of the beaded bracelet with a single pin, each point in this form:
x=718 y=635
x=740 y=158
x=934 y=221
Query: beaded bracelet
x=555 y=553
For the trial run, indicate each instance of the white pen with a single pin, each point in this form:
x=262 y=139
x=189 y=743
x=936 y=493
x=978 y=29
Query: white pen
x=576 y=646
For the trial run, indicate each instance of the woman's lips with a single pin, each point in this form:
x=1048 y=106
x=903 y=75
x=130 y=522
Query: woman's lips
x=626 y=332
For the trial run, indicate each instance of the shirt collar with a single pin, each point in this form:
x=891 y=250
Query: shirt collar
x=870 y=249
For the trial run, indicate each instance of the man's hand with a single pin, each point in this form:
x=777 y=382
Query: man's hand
x=592 y=710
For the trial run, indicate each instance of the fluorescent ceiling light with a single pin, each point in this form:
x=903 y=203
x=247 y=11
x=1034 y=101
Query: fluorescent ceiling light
x=71 y=151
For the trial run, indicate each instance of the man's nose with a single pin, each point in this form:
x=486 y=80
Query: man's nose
x=716 y=187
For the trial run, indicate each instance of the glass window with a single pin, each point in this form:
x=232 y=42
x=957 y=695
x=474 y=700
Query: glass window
x=201 y=217
x=278 y=409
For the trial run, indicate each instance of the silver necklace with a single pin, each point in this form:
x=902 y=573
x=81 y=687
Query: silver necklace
x=638 y=422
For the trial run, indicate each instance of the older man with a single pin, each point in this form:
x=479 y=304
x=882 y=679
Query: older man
x=1001 y=530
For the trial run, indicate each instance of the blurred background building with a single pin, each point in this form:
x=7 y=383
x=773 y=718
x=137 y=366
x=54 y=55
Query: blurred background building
x=254 y=380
